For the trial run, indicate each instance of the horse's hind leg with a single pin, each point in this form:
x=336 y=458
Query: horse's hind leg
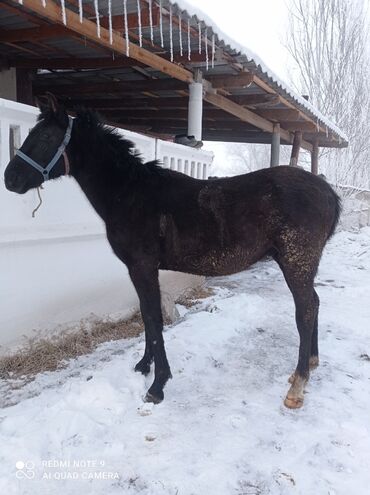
x=314 y=357
x=299 y=267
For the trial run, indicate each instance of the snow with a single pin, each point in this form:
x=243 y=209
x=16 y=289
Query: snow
x=222 y=428
x=190 y=7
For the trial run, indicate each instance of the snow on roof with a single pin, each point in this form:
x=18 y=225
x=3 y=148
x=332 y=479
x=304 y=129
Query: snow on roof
x=264 y=71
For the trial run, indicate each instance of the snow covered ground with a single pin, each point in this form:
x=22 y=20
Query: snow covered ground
x=222 y=428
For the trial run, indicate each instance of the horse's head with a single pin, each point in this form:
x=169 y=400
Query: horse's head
x=43 y=154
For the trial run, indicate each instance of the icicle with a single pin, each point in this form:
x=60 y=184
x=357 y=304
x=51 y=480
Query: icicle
x=189 y=42
x=213 y=50
x=317 y=124
x=80 y=10
x=139 y=23
x=43 y=3
x=206 y=47
x=151 y=21
x=180 y=35
x=64 y=16
x=96 y=5
x=126 y=28
x=200 y=38
x=171 y=33
x=327 y=133
x=20 y=1
x=161 y=23
x=110 y=21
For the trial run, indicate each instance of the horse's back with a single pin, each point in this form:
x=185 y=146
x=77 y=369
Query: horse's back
x=288 y=194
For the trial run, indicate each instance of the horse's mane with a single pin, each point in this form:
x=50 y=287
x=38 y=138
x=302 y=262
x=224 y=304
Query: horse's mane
x=93 y=133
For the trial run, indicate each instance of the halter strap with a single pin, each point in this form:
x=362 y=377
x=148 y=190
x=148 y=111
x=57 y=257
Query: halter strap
x=45 y=171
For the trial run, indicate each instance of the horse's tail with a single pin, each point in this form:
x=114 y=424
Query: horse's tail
x=337 y=211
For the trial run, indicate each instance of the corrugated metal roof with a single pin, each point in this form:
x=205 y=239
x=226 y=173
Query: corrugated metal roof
x=230 y=57
x=251 y=61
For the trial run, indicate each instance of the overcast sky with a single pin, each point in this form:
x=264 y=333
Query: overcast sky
x=260 y=25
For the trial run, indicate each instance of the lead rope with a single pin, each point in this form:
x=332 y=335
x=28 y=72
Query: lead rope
x=40 y=201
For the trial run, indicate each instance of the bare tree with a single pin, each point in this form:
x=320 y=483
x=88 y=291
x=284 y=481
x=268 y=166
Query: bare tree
x=328 y=41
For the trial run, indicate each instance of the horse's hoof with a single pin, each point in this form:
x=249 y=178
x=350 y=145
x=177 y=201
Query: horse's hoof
x=293 y=402
x=153 y=398
x=143 y=367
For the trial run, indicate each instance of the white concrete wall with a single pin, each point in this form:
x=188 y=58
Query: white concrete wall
x=58 y=268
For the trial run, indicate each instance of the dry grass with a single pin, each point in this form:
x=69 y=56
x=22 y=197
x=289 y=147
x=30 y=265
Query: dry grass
x=49 y=354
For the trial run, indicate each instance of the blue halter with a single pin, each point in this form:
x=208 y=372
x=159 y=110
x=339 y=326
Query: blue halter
x=45 y=171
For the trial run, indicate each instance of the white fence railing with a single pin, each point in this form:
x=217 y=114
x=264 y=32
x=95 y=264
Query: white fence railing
x=58 y=268
x=76 y=217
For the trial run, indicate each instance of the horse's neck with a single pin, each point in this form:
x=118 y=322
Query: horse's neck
x=106 y=186
x=98 y=198
x=101 y=184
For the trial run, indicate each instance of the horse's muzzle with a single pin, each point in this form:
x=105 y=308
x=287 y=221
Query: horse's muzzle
x=13 y=183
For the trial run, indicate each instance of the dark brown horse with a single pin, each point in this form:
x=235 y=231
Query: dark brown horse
x=161 y=219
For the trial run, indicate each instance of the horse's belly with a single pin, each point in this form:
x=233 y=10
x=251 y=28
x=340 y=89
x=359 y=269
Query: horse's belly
x=214 y=263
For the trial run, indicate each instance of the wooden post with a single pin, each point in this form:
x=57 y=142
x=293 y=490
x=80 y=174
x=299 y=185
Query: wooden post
x=24 y=79
x=295 y=148
x=315 y=157
x=275 y=146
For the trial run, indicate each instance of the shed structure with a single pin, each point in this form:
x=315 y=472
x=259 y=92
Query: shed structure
x=157 y=67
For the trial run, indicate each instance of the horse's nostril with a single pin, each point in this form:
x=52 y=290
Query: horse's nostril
x=10 y=179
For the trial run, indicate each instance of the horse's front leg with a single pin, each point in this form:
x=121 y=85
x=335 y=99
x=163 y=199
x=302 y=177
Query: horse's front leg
x=145 y=280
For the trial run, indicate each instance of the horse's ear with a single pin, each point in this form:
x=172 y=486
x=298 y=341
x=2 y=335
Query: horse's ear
x=53 y=102
x=48 y=104
x=42 y=104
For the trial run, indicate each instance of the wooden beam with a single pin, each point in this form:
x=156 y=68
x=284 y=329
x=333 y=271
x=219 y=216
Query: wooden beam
x=242 y=80
x=107 y=87
x=221 y=135
x=73 y=63
x=279 y=114
x=256 y=100
x=227 y=137
x=325 y=141
x=244 y=114
x=295 y=148
x=150 y=114
x=128 y=103
x=195 y=58
x=247 y=116
x=89 y=9
x=88 y=29
x=298 y=126
x=263 y=85
x=160 y=113
x=32 y=34
x=118 y=21
x=22 y=48
x=175 y=122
